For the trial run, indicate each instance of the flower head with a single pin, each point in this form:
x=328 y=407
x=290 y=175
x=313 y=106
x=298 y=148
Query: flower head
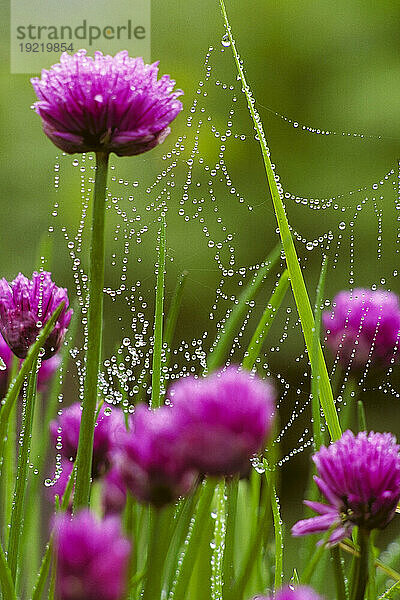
x=291 y=593
x=364 y=324
x=360 y=478
x=45 y=373
x=149 y=458
x=113 y=492
x=60 y=482
x=92 y=557
x=224 y=419
x=65 y=431
x=25 y=307
x=105 y=104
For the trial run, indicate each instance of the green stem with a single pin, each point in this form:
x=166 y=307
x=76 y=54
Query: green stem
x=296 y=276
x=198 y=527
x=22 y=472
x=361 y=575
x=160 y=523
x=341 y=591
x=10 y=462
x=156 y=376
x=232 y=489
x=94 y=335
x=7 y=585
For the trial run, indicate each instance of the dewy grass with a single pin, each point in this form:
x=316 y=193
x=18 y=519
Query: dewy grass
x=296 y=276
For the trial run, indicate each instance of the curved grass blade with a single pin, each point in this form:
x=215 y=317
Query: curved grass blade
x=21 y=481
x=224 y=338
x=296 y=277
x=26 y=366
x=187 y=561
x=158 y=321
x=7 y=586
x=265 y=322
x=173 y=313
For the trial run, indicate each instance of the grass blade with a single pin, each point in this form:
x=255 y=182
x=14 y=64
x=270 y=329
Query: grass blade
x=224 y=338
x=7 y=586
x=265 y=322
x=158 y=321
x=26 y=366
x=296 y=277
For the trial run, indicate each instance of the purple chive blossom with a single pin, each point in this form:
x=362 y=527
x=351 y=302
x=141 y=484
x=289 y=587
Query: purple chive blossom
x=65 y=433
x=360 y=478
x=92 y=557
x=149 y=459
x=25 y=307
x=105 y=104
x=364 y=324
x=224 y=419
x=46 y=371
x=113 y=492
x=60 y=479
x=292 y=593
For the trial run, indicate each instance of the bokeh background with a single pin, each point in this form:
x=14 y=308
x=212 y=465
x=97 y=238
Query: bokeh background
x=329 y=65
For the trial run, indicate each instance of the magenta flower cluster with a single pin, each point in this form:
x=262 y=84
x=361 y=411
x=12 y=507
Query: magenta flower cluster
x=92 y=557
x=364 y=324
x=64 y=430
x=360 y=478
x=213 y=427
x=292 y=593
x=105 y=104
x=25 y=307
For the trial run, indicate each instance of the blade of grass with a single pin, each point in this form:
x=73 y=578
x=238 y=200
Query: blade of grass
x=224 y=338
x=173 y=313
x=390 y=592
x=187 y=561
x=7 y=585
x=316 y=414
x=17 y=513
x=316 y=557
x=296 y=276
x=265 y=322
x=13 y=390
x=156 y=376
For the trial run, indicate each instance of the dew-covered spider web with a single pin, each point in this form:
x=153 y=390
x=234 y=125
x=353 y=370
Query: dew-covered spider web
x=208 y=181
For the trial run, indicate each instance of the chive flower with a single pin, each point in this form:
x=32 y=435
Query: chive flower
x=224 y=419
x=363 y=324
x=113 y=493
x=25 y=307
x=92 y=557
x=292 y=593
x=105 y=104
x=149 y=458
x=360 y=479
x=65 y=433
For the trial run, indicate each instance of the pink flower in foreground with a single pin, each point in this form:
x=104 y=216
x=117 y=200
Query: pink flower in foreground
x=223 y=419
x=292 y=593
x=92 y=557
x=360 y=478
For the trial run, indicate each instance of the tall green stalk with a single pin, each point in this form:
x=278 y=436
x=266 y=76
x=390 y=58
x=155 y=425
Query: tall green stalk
x=94 y=335
x=296 y=277
x=158 y=322
x=17 y=513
